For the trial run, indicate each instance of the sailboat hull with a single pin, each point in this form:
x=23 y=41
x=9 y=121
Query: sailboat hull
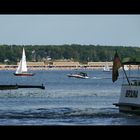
x=24 y=74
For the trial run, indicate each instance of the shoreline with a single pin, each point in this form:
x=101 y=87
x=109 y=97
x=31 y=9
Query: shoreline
x=54 y=69
x=62 y=68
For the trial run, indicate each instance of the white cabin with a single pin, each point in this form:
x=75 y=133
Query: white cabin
x=129 y=100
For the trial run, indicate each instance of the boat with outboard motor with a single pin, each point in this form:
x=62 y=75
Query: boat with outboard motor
x=81 y=75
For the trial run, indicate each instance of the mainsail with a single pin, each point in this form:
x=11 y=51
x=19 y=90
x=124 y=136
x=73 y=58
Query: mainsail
x=22 y=67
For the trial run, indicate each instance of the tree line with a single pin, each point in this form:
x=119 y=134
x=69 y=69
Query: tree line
x=11 y=54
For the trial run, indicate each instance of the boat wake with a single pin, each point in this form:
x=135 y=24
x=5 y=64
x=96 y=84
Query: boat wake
x=67 y=116
x=53 y=113
x=100 y=78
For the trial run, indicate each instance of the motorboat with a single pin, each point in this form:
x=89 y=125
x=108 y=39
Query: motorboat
x=81 y=75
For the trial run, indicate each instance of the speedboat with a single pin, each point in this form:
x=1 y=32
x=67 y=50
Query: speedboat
x=81 y=75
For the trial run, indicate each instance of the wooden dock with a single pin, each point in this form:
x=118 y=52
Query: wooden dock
x=31 y=86
x=8 y=87
x=12 y=87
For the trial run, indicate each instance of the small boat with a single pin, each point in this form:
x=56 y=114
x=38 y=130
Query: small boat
x=126 y=68
x=22 y=67
x=129 y=101
x=81 y=75
x=106 y=68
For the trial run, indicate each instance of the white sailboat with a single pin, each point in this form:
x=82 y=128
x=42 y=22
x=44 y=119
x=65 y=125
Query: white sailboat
x=22 y=67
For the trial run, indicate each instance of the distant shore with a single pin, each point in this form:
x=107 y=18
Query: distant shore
x=61 y=68
x=63 y=65
x=56 y=68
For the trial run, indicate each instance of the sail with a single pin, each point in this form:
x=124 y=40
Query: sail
x=22 y=67
x=19 y=68
x=23 y=61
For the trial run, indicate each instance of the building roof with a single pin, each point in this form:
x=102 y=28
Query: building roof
x=65 y=63
x=34 y=63
x=99 y=63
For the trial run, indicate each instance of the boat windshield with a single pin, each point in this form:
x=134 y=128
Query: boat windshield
x=83 y=74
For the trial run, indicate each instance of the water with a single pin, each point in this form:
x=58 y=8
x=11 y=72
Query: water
x=65 y=101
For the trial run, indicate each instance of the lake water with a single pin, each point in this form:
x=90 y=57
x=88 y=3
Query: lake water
x=65 y=101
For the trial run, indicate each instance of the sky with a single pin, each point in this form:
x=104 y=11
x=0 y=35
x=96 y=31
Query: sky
x=112 y=30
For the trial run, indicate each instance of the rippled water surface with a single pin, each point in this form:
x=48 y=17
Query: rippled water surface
x=65 y=101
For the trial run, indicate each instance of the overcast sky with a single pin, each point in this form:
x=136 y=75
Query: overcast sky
x=120 y=30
